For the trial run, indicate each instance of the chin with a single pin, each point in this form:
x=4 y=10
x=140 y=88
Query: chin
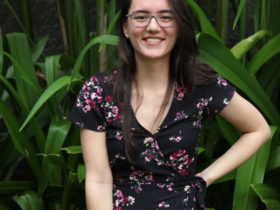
x=154 y=55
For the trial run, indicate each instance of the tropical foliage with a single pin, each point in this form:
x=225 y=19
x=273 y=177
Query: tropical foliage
x=41 y=165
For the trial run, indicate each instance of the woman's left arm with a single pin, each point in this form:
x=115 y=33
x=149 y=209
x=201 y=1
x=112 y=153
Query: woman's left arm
x=245 y=117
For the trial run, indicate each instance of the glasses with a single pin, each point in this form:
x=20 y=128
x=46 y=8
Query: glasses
x=142 y=19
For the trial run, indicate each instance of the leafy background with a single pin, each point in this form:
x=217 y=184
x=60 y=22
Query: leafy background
x=47 y=52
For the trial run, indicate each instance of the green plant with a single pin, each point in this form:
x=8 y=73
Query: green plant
x=36 y=96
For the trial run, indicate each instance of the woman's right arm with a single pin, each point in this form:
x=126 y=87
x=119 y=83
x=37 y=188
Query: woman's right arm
x=98 y=172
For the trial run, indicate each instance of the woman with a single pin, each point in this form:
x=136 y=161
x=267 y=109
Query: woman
x=140 y=123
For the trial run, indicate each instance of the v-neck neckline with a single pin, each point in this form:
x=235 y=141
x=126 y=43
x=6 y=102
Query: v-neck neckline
x=162 y=122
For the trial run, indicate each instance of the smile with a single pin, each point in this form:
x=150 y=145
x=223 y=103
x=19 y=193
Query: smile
x=153 y=40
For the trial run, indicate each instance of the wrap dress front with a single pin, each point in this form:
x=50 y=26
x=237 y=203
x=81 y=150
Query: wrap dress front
x=162 y=175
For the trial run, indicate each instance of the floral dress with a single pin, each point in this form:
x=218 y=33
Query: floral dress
x=162 y=175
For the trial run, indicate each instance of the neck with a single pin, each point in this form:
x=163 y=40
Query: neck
x=152 y=73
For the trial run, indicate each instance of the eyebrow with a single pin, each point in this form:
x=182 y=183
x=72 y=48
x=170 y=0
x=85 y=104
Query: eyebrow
x=145 y=11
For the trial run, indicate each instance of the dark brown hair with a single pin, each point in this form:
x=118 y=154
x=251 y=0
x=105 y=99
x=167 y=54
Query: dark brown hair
x=184 y=71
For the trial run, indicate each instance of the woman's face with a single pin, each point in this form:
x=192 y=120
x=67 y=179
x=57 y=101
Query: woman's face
x=152 y=41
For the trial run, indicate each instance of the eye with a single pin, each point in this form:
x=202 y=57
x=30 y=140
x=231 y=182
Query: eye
x=140 y=17
x=166 y=17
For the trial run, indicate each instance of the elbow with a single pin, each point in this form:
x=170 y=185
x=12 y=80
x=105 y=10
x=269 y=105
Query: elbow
x=101 y=177
x=266 y=132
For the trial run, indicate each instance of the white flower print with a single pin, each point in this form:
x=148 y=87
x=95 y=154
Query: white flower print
x=119 y=136
x=187 y=189
x=121 y=200
x=225 y=101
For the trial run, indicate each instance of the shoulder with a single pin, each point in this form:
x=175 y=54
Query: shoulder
x=217 y=94
x=103 y=80
x=106 y=77
x=217 y=83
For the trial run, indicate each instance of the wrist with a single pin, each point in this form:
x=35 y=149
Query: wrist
x=206 y=178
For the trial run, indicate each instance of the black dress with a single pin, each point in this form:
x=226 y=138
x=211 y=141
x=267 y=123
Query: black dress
x=163 y=173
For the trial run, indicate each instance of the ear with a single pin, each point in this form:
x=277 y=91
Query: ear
x=125 y=29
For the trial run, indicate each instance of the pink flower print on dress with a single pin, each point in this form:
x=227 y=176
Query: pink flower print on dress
x=152 y=153
x=175 y=139
x=119 y=136
x=94 y=79
x=139 y=178
x=180 y=93
x=101 y=128
x=180 y=115
x=163 y=204
x=222 y=82
x=122 y=200
x=203 y=103
x=109 y=99
x=115 y=111
x=181 y=161
x=91 y=103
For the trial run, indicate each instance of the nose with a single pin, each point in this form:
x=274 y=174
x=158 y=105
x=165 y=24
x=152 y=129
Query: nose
x=153 y=25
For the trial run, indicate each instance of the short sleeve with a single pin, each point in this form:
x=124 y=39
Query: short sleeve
x=88 y=110
x=219 y=94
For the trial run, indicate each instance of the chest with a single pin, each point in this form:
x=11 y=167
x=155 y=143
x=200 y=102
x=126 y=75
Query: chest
x=151 y=110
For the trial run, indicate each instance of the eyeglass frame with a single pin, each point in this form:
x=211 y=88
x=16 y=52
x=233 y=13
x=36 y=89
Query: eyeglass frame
x=155 y=15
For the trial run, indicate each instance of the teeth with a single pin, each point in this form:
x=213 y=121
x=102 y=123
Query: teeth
x=153 y=40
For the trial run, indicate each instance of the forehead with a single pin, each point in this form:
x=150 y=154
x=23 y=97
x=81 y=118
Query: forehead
x=149 y=6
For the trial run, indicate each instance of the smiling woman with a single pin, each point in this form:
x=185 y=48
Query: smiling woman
x=141 y=122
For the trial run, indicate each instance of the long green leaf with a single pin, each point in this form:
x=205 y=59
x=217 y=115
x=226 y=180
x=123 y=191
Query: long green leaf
x=269 y=75
x=205 y=24
x=264 y=54
x=57 y=133
x=268 y=195
x=81 y=171
x=47 y=94
x=73 y=149
x=111 y=27
x=20 y=140
x=24 y=76
x=29 y=200
x=26 y=17
x=222 y=17
x=217 y=56
x=274 y=161
x=82 y=30
x=69 y=190
x=14 y=94
x=241 y=7
x=113 y=22
x=21 y=52
x=15 y=186
x=242 y=47
x=251 y=172
x=38 y=133
x=51 y=67
x=12 y=125
x=38 y=49
x=228 y=130
x=105 y=39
